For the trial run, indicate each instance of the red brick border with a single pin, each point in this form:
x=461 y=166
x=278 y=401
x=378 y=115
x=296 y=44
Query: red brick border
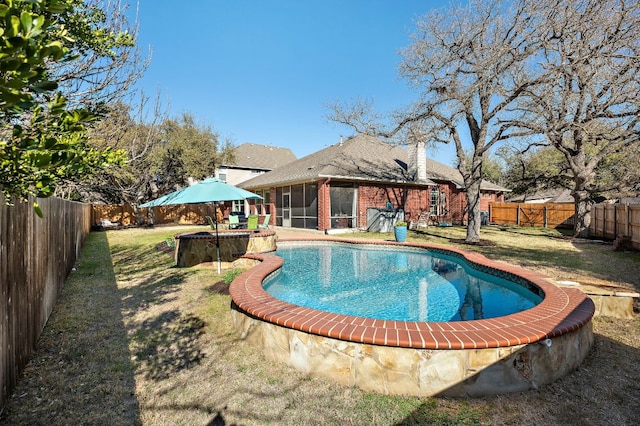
x=225 y=233
x=561 y=311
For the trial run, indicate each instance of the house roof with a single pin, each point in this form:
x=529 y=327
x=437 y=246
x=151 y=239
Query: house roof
x=262 y=157
x=361 y=157
x=550 y=196
x=358 y=158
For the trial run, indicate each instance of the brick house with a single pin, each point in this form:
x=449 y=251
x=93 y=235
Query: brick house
x=252 y=160
x=346 y=184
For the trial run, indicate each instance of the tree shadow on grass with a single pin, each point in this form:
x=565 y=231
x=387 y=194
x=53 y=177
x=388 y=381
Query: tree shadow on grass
x=168 y=344
x=151 y=291
x=166 y=341
x=81 y=371
x=592 y=259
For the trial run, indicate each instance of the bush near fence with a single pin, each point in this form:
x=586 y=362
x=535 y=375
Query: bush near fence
x=547 y=215
x=37 y=255
x=615 y=221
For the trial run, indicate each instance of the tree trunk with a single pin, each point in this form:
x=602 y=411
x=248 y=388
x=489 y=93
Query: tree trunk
x=583 y=205
x=473 y=215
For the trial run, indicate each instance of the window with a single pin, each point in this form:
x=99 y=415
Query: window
x=434 y=201
x=311 y=201
x=297 y=200
x=302 y=208
x=258 y=202
x=222 y=174
x=262 y=205
x=343 y=206
x=278 y=202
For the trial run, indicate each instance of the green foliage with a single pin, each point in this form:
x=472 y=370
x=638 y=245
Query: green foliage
x=231 y=275
x=42 y=140
x=87 y=25
x=535 y=170
x=492 y=168
x=30 y=35
x=546 y=167
x=162 y=155
x=401 y=224
x=48 y=149
x=193 y=150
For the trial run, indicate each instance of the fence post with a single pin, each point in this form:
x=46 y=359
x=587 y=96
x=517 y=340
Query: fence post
x=544 y=209
x=518 y=215
x=602 y=213
x=627 y=216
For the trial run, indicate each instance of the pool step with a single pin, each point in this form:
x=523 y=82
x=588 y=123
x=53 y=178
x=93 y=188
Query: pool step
x=610 y=300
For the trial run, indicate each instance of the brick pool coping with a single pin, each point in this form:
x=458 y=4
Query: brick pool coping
x=562 y=310
x=225 y=233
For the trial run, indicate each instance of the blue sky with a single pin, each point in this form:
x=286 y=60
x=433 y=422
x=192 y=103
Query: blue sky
x=264 y=71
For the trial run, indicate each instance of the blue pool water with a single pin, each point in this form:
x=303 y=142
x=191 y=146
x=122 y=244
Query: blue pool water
x=392 y=284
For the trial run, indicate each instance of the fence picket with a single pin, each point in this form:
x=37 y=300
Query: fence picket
x=531 y=214
x=610 y=223
x=36 y=255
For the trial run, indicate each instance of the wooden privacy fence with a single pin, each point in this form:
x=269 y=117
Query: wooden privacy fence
x=547 y=215
x=125 y=214
x=36 y=256
x=616 y=220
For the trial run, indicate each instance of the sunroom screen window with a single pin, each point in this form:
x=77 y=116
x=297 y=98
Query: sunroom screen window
x=343 y=206
x=304 y=206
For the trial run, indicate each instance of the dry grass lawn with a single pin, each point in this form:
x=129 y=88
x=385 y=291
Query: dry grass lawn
x=135 y=340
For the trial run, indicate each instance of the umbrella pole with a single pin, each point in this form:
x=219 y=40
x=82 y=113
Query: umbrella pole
x=217 y=239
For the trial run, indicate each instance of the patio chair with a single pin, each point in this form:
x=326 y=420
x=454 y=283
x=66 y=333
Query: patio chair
x=423 y=220
x=210 y=221
x=265 y=222
x=234 y=222
x=252 y=222
x=212 y=224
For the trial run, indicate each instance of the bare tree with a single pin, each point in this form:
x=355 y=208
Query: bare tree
x=588 y=106
x=469 y=66
x=108 y=63
x=134 y=130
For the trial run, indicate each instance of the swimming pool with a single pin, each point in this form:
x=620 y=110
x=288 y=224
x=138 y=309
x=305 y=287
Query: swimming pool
x=511 y=353
x=393 y=284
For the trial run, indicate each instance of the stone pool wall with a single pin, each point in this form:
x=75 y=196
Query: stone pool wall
x=200 y=247
x=420 y=372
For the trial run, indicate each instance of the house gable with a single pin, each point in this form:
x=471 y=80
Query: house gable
x=252 y=160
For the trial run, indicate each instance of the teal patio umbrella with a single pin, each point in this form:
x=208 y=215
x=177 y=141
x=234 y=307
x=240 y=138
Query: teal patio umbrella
x=211 y=190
